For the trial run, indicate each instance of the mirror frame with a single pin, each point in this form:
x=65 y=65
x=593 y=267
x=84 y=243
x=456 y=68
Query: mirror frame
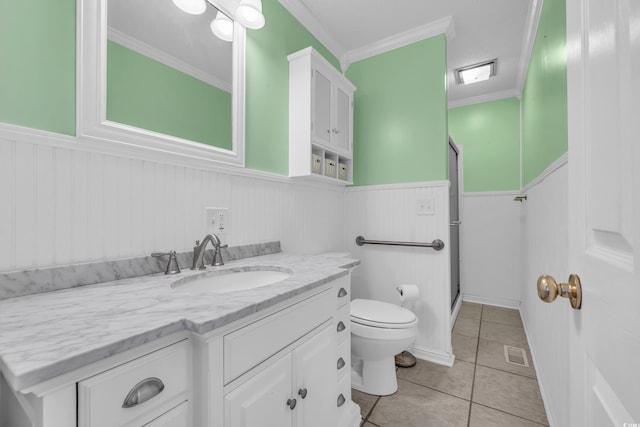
x=91 y=107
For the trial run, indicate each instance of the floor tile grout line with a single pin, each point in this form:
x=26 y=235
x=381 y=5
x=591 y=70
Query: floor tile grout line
x=436 y=390
x=509 y=413
x=507 y=372
x=366 y=419
x=475 y=366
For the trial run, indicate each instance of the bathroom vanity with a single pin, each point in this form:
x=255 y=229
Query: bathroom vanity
x=144 y=352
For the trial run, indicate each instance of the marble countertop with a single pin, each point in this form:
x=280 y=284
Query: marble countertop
x=49 y=334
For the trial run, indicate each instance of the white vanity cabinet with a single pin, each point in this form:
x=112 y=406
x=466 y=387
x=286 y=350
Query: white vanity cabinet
x=284 y=365
x=320 y=118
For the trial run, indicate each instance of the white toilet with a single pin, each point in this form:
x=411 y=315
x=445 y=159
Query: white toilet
x=379 y=331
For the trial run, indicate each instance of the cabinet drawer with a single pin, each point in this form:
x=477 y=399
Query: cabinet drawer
x=153 y=383
x=177 y=417
x=343 y=359
x=342 y=322
x=247 y=347
x=342 y=290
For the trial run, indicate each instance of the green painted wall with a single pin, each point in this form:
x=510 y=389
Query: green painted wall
x=145 y=93
x=490 y=136
x=544 y=100
x=400 y=115
x=38 y=64
x=267 y=83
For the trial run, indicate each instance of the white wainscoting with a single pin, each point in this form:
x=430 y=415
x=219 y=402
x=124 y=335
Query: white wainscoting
x=64 y=203
x=389 y=212
x=490 y=259
x=545 y=251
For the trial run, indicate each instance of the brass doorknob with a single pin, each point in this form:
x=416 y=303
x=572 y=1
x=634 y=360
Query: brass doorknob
x=549 y=289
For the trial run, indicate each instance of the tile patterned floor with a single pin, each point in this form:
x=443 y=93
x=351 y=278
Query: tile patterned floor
x=480 y=390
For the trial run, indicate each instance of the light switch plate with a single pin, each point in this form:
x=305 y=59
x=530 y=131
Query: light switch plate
x=218 y=223
x=426 y=206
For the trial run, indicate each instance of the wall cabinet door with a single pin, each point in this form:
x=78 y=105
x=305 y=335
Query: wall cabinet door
x=332 y=121
x=343 y=131
x=321 y=108
x=262 y=400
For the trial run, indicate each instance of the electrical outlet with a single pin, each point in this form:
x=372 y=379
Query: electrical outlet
x=218 y=223
x=426 y=206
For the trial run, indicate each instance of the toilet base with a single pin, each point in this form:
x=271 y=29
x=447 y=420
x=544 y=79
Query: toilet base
x=374 y=376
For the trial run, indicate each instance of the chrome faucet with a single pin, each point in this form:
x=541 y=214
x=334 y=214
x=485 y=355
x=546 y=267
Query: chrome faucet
x=200 y=248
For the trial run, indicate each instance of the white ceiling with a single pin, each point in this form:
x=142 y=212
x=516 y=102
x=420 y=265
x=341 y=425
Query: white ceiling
x=477 y=30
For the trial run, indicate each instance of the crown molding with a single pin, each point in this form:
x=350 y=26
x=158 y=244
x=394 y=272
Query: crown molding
x=311 y=23
x=166 y=59
x=528 y=41
x=441 y=26
x=494 y=96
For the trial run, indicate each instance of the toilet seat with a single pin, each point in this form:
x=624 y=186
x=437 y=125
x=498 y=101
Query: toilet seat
x=380 y=314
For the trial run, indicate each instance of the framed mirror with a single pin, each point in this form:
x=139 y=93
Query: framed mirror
x=151 y=76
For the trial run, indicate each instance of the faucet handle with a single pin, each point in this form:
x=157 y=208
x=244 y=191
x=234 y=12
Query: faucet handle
x=172 y=265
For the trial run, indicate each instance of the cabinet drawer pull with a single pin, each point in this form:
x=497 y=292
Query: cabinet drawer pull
x=342 y=293
x=341 y=326
x=145 y=390
x=341 y=400
x=302 y=392
x=291 y=403
x=341 y=363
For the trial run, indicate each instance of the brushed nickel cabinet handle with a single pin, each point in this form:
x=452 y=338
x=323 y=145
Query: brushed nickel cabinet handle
x=291 y=403
x=145 y=390
x=302 y=393
x=341 y=400
x=341 y=327
x=341 y=363
x=342 y=293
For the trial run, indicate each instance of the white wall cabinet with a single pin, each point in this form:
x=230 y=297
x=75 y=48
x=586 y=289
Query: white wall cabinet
x=320 y=118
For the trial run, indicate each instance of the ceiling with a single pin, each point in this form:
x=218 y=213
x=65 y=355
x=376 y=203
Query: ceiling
x=477 y=31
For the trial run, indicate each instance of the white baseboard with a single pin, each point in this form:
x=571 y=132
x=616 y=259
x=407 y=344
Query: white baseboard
x=431 y=355
x=506 y=303
x=545 y=396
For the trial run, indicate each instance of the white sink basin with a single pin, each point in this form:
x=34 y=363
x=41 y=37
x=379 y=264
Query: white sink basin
x=229 y=280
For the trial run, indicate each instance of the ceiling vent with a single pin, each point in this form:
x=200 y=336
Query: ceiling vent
x=476 y=73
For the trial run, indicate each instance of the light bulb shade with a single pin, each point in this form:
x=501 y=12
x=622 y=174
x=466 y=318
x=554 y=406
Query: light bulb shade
x=222 y=27
x=193 y=7
x=249 y=14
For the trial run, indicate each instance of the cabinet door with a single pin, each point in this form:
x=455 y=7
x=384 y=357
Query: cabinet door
x=177 y=417
x=342 y=130
x=315 y=378
x=321 y=108
x=262 y=400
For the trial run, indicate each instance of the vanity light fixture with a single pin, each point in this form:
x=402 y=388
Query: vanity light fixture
x=476 y=73
x=192 y=7
x=222 y=27
x=248 y=13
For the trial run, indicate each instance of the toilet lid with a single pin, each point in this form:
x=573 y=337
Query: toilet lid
x=381 y=314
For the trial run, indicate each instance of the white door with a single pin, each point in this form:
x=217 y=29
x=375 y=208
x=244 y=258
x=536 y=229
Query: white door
x=603 y=47
x=321 y=108
x=343 y=120
x=262 y=400
x=314 y=380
